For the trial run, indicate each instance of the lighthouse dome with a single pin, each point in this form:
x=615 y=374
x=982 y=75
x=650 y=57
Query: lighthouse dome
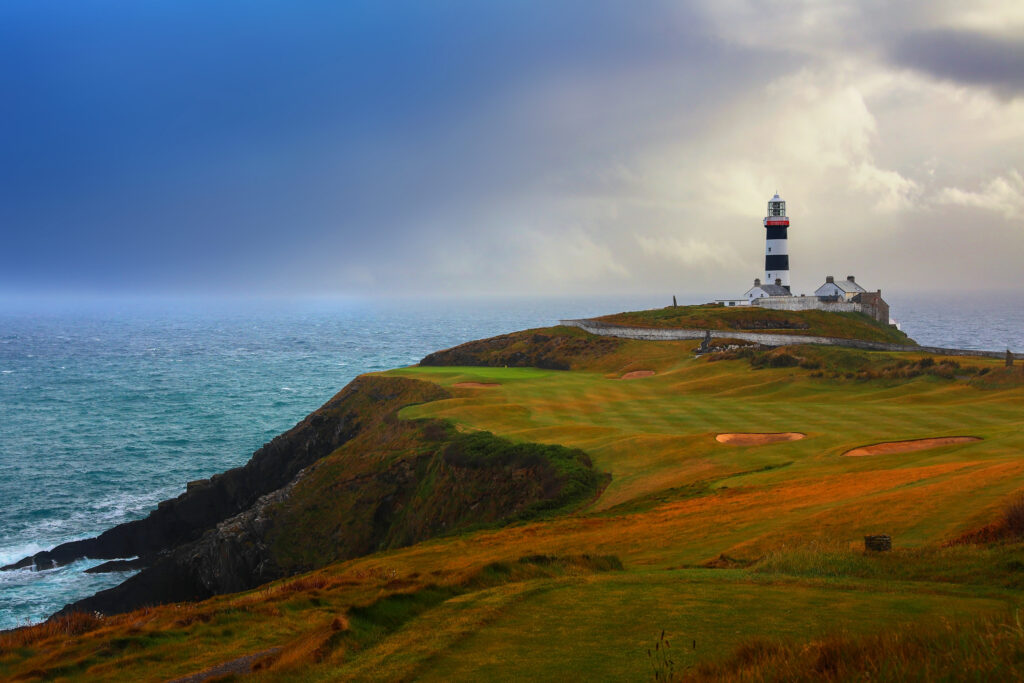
x=776 y=206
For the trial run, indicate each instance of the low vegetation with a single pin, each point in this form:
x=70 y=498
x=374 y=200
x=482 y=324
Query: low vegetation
x=756 y=319
x=422 y=479
x=983 y=649
x=556 y=348
x=842 y=363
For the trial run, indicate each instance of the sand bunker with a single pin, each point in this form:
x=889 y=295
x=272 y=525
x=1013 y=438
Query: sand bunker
x=908 y=446
x=636 y=374
x=475 y=385
x=748 y=439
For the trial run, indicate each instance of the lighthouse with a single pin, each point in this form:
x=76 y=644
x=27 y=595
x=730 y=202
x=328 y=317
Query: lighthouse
x=776 y=253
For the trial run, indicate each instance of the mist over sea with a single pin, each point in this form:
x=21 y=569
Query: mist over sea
x=108 y=407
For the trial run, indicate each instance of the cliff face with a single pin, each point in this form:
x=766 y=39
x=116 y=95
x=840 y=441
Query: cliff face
x=208 y=502
x=350 y=479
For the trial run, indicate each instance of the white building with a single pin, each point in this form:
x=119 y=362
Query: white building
x=844 y=290
x=759 y=291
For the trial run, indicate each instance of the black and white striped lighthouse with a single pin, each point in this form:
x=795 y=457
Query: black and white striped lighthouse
x=776 y=253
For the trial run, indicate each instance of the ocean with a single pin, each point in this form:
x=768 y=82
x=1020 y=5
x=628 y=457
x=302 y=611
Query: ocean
x=109 y=406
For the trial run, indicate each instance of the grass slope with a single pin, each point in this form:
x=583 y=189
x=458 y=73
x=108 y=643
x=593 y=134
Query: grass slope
x=757 y=319
x=586 y=594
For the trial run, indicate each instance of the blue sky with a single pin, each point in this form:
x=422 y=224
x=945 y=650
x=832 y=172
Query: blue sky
x=505 y=147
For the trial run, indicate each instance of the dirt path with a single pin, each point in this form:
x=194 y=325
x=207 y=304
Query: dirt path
x=236 y=667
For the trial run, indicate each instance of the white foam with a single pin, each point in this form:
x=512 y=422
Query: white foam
x=13 y=553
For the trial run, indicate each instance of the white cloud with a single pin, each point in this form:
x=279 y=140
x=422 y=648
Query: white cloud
x=890 y=190
x=569 y=256
x=690 y=252
x=1003 y=194
x=808 y=132
x=990 y=16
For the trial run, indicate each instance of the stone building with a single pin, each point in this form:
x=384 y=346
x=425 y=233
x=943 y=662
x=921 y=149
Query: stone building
x=844 y=290
x=836 y=296
x=759 y=291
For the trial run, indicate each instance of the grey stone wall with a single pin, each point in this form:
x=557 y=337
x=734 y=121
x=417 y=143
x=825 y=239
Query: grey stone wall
x=807 y=303
x=767 y=339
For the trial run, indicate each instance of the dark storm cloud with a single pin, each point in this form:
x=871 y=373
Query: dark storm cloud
x=965 y=57
x=190 y=143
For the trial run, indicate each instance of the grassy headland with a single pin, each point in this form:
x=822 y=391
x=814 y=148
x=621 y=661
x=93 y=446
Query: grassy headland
x=748 y=557
x=757 y=319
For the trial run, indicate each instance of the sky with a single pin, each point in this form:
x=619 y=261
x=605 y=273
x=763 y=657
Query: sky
x=447 y=147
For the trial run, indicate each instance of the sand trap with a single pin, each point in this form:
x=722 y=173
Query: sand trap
x=636 y=374
x=908 y=446
x=747 y=439
x=475 y=385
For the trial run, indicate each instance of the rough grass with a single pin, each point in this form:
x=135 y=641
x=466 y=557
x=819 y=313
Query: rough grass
x=555 y=348
x=756 y=319
x=843 y=363
x=983 y=649
x=64 y=626
x=423 y=479
x=999 y=565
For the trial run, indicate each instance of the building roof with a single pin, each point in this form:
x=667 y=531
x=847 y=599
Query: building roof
x=771 y=290
x=847 y=286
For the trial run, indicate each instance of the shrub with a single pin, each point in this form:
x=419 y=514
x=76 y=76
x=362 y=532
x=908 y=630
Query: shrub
x=1013 y=516
x=783 y=360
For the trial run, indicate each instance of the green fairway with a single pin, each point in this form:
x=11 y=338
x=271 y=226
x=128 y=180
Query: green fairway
x=658 y=433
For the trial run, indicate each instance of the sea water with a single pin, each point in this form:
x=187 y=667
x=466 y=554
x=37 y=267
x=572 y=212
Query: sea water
x=108 y=407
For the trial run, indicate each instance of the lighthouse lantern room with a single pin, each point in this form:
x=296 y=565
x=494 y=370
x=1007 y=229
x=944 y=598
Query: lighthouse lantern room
x=776 y=254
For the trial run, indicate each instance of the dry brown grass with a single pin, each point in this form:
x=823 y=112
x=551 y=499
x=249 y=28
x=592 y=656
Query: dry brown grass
x=1010 y=525
x=66 y=625
x=1013 y=516
x=987 y=649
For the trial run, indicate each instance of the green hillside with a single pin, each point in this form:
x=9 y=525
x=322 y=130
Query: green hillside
x=757 y=319
x=748 y=557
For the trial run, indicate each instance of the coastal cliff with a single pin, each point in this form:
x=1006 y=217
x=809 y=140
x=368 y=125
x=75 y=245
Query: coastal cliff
x=349 y=480
x=531 y=551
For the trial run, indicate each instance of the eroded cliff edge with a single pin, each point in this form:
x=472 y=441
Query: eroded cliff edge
x=350 y=479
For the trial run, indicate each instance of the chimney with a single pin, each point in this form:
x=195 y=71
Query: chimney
x=757 y=282
x=829 y=278
x=778 y=281
x=850 y=278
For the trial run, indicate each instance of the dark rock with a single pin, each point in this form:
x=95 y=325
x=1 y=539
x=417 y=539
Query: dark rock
x=879 y=543
x=117 y=566
x=292 y=508
x=185 y=518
